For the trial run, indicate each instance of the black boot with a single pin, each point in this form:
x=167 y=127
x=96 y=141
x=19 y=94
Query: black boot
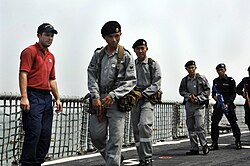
x=238 y=144
x=214 y=146
x=122 y=158
x=205 y=149
x=192 y=152
x=146 y=162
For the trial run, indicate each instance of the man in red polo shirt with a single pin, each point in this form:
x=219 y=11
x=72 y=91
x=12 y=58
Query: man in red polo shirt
x=36 y=81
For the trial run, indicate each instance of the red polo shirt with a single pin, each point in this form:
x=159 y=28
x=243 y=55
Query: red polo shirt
x=40 y=66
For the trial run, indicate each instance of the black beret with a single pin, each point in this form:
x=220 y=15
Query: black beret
x=189 y=63
x=110 y=27
x=46 y=27
x=139 y=42
x=221 y=65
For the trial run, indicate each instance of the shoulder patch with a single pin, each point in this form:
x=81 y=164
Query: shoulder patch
x=231 y=78
x=150 y=61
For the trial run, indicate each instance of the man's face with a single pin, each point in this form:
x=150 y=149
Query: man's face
x=191 y=69
x=113 y=39
x=141 y=52
x=221 y=72
x=46 y=39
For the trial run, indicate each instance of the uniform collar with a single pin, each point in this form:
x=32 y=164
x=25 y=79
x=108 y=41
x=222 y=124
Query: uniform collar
x=109 y=55
x=196 y=76
x=225 y=78
x=144 y=61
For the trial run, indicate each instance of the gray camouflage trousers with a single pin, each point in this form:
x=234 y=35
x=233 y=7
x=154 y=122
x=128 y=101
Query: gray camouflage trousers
x=195 y=124
x=107 y=135
x=142 y=117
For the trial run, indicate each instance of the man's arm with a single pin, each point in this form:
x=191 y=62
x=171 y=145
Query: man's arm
x=183 y=91
x=24 y=103
x=54 y=90
x=204 y=95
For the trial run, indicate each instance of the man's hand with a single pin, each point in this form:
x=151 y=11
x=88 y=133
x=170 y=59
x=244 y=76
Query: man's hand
x=215 y=98
x=107 y=101
x=193 y=98
x=25 y=104
x=58 y=106
x=97 y=105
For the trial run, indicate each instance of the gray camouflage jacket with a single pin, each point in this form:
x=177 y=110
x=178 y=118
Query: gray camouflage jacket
x=198 y=86
x=147 y=80
x=105 y=78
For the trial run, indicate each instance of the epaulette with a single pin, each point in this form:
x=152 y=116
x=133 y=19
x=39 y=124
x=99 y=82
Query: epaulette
x=98 y=48
x=150 y=61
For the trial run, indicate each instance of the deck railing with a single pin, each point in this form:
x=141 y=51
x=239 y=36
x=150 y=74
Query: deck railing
x=70 y=133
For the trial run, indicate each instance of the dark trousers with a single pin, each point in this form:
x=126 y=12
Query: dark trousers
x=232 y=119
x=247 y=114
x=37 y=124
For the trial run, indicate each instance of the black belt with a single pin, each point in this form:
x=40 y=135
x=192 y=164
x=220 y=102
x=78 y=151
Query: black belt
x=45 y=92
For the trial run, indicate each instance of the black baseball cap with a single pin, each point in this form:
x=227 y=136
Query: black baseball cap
x=46 y=27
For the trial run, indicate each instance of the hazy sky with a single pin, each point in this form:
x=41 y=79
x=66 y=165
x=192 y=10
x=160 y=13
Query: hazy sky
x=209 y=32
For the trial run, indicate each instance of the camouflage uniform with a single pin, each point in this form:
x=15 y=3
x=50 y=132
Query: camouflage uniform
x=148 y=82
x=107 y=135
x=200 y=87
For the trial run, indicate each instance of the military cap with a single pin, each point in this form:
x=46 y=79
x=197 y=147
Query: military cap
x=189 y=63
x=139 y=42
x=221 y=65
x=46 y=27
x=110 y=27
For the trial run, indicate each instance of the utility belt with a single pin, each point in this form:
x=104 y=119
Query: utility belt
x=139 y=89
x=127 y=102
x=41 y=91
x=106 y=89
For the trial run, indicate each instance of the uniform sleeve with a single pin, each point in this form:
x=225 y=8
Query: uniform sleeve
x=156 y=81
x=183 y=89
x=128 y=83
x=26 y=60
x=204 y=95
x=92 y=77
x=233 y=91
x=213 y=91
x=240 y=87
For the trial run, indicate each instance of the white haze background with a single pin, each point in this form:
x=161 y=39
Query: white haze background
x=209 y=32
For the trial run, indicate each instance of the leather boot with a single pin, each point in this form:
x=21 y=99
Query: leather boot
x=122 y=158
x=238 y=144
x=192 y=152
x=214 y=146
x=205 y=149
x=146 y=162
